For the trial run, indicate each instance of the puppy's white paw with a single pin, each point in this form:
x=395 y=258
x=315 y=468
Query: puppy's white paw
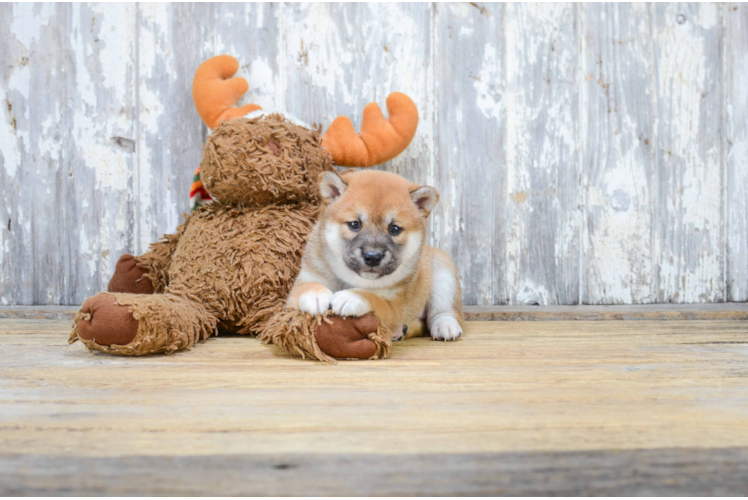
x=315 y=301
x=348 y=303
x=445 y=328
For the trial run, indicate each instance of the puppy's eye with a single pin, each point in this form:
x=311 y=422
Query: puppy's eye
x=354 y=226
x=395 y=230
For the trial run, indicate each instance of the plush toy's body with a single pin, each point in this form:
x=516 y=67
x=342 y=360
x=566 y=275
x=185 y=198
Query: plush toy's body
x=231 y=263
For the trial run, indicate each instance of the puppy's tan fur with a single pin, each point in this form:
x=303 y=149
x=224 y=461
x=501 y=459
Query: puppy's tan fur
x=422 y=293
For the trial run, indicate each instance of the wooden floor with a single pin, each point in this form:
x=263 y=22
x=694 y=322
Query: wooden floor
x=542 y=407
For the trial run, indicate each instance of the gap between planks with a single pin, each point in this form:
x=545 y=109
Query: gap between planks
x=736 y=311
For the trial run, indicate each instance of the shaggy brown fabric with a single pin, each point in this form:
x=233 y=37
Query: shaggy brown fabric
x=241 y=166
x=240 y=263
x=349 y=338
x=158 y=259
x=293 y=331
x=129 y=277
x=166 y=323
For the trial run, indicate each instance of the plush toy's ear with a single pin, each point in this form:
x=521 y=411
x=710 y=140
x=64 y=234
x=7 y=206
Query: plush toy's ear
x=331 y=186
x=425 y=198
x=380 y=140
x=215 y=93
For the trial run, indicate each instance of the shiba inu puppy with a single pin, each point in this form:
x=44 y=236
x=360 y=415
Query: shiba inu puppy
x=367 y=253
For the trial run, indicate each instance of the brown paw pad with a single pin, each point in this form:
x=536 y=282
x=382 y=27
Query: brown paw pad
x=106 y=322
x=129 y=277
x=348 y=337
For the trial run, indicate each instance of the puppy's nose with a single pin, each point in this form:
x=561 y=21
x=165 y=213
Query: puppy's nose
x=373 y=259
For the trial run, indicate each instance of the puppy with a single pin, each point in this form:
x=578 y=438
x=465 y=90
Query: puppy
x=367 y=253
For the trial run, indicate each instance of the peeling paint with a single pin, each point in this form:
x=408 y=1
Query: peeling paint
x=736 y=152
x=519 y=196
x=692 y=226
x=28 y=20
x=9 y=151
x=486 y=83
x=583 y=153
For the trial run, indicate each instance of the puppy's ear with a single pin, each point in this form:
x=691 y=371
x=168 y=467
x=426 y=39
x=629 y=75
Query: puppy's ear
x=331 y=186
x=425 y=198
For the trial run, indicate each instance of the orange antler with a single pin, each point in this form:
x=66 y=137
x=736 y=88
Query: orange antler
x=215 y=93
x=380 y=140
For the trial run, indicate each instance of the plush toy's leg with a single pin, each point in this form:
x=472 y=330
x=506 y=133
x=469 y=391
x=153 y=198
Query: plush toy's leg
x=134 y=325
x=129 y=277
x=327 y=337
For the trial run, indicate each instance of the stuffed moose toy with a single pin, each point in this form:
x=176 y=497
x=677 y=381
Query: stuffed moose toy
x=230 y=265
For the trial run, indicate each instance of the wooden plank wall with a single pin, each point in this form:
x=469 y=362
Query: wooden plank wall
x=591 y=154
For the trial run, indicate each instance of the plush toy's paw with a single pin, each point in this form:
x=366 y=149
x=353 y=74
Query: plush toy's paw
x=349 y=303
x=106 y=322
x=315 y=301
x=347 y=337
x=129 y=277
x=445 y=328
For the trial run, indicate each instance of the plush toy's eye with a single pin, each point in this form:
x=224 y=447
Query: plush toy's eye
x=395 y=230
x=354 y=226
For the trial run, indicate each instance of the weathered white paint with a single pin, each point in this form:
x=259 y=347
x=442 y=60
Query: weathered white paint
x=618 y=107
x=469 y=145
x=689 y=234
x=593 y=153
x=542 y=216
x=735 y=144
x=67 y=198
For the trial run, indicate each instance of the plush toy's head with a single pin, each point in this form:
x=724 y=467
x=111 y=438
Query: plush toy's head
x=251 y=158
x=261 y=160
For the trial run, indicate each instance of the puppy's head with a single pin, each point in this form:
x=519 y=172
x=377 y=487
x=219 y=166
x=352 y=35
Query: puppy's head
x=374 y=225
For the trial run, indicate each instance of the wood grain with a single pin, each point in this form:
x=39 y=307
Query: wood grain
x=585 y=154
x=542 y=115
x=337 y=58
x=660 y=312
x=735 y=66
x=470 y=134
x=506 y=387
x=618 y=99
x=689 y=232
x=170 y=134
x=572 y=406
x=67 y=142
x=660 y=472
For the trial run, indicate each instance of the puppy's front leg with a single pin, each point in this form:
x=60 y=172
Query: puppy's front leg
x=444 y=316
x=357 y=302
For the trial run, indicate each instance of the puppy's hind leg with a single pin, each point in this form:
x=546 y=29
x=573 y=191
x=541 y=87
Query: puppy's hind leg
x=444 y=314
x=416 y=328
